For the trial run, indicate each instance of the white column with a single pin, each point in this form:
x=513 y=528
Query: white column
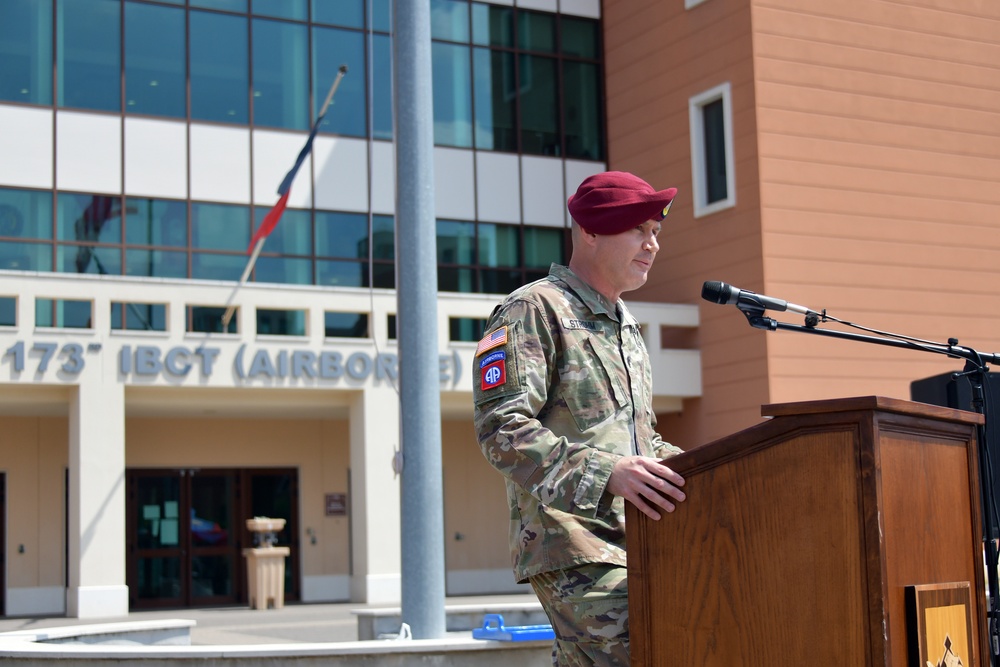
x=375 y=524
x=96 y=586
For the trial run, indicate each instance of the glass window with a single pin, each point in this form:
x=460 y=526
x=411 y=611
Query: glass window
x=381 y=15
x=715 y=151
x=498 y=281
x=63 y=313
x=89 y=69
x=331 y=49
x=456 y=242
x=543 y=246
x=220 y=227
x=25 y=214
x=450 y=20
x=154 y=60
x=451 y=279
x=25 y=256
x=341 y=234
x=284 y=270
x=495 y=95
x=88 y=218
x=225 y=5
x=209 y=266
x=539 y=105
x=26 y=51
x=219 y=68
x=583 y=122
x=280 y=75
x=138 y=316
x=156 y=263
x=100 y=260
x=381 y=87
x=208 y=319
x=492 y=25
x=291 y=236
x=499 y=245
x=466 y=329
x=283 y=9
x=161 y=222
x=383 y=237
x=452 y=95
x=8 y=311
x=536 y=31
x=281 y=322
x=350 y=13
x=341 y=273
x=342 y=325
x=580 y=37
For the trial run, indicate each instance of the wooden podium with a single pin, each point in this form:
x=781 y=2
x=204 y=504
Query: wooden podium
x=799 y=537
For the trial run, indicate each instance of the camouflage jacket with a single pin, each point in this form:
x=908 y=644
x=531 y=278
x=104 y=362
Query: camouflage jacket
x=563 y=390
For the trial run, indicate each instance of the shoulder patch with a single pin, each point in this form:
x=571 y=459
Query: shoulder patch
x=586 y=325
x=492 y=340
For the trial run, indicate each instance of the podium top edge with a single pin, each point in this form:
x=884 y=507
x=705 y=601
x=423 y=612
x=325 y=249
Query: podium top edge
x=879 y=403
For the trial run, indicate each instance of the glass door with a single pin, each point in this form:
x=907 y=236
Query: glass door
x=214 y=543
x=156 y=565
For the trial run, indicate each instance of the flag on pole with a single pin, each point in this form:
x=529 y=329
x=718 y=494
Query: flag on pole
x=274 y=215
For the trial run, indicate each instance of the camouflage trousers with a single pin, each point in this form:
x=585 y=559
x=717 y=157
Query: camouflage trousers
x=588 y=608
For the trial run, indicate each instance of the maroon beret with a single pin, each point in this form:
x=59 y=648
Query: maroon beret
x=616 y=201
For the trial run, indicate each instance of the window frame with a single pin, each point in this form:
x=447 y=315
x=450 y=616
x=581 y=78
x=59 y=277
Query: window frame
x=699 y=180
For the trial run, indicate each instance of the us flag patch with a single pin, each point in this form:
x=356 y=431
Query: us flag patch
x=493 y=370
x=490 y=341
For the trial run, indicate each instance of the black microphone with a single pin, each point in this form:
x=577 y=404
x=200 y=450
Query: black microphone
x=719 y=292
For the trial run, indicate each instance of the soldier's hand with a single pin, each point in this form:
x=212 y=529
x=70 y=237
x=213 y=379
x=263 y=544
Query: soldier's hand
x=646 y=483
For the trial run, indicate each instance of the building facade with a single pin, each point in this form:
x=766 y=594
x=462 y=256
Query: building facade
x=142 y=143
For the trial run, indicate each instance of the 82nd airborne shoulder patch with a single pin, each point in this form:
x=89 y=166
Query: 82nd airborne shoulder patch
x=493 y=370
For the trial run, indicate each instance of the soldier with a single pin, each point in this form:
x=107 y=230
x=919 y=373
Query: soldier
x=563 y=409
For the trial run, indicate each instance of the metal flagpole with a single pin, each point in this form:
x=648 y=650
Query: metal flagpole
x=230 y=307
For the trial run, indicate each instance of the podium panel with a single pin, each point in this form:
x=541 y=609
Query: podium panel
x=800 y=535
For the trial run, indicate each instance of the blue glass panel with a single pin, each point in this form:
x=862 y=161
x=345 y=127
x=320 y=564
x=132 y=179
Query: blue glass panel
x=543 y=246
x=456 y=280
x=220 y=227
x=456 y=242
x=381 y=11
x=26 y=51
x=584 y=126
x=206 y=319
x=499 y=245
x=285 y=270
x=539 y=105
x=25 y=214
x=156 y=222
x=281 y=322
x=63 y=313
x=580 y=37
x=156 y=263
x=341 y=234
x=208 y=266
x=350 y=13
x=99 y=260
x=340 y=325
x=452 y=73
x=8 y=312
x=331 y=49
x=536 y=31
x=89 y=66
x=285 y=9
x=450 y=20
x=492 y=25
x=88 y=218
x=154 y=60
x=383 y=238
x=25 y=256
x=138 y=316
x=341 y=274
x=225 y=5
x=292 y=236
x=495 y=94
x=280 y=74
x=219 y=68
x=382 y=87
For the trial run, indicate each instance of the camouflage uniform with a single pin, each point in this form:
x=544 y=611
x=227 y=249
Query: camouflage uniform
x=563 y=390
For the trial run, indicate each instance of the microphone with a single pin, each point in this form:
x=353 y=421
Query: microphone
x=719 y=292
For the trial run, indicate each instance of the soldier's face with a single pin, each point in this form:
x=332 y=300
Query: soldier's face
x=626 y=258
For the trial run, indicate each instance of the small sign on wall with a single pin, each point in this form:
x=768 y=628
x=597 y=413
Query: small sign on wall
x=336 y=504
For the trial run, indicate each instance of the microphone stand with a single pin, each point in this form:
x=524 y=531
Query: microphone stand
x=976 y=368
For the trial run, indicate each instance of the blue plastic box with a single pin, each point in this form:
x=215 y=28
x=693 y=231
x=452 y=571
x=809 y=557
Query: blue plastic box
x=493 y=628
